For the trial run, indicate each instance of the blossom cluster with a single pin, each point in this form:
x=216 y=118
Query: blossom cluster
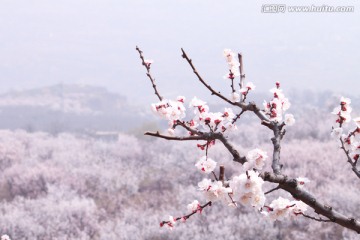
x=5 y=237
x=343 y=111
x=214 y=190
x=247 y=189
x=193 y=208
x=282 y=208
x=256 y=159
x=218 y=121
x=170 y=110
x=233 y=64
x=276 y=108
x=206 y=165
x=350 y=142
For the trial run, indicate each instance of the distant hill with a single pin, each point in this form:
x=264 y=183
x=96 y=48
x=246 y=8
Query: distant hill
x=74 y=108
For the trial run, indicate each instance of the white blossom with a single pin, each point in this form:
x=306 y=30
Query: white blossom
x=148 y=62
x=256 y=159
x=235 y=97
x=194 y=206
x=217 y=192
x=302 y=181
x=171 y=222
x=206 y=165
x=357 y=121
x=168 y=109
x=171 y=131
x=289 y=119
x=279 y=208
x=228 y=114
x=5 y=237
x=250 y=86
x=204 y=185
x=336 y=132
x=299 y=207
x=247 y=189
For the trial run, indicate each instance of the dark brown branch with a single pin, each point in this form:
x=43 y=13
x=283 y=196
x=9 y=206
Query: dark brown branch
x=231 y=149
x=147 y=66
x=213 y=92
x=290 y=185
x=222 y=173
x=189 y=138
x=251 y=106
x=276 y=166
x=205 y=136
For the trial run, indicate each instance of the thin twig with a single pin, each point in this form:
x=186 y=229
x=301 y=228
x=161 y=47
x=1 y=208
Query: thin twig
x=203 y=82
x=242 y=74
x=183 y=124
x=149 y=74
x=352 y=163
x=274 y=189
x=188 y=215
x=214 y=174
x=314 y=218
x=237 y=116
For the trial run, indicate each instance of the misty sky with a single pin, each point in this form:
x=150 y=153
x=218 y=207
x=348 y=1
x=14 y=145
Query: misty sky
x=93 y=42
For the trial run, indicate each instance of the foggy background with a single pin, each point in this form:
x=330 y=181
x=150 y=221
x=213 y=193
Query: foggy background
x=75 y=102
x=89 y=42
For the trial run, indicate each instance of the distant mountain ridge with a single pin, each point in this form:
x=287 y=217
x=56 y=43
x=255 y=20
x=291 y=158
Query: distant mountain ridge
x=64 y=107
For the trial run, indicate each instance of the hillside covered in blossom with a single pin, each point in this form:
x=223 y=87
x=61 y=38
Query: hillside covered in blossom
x=72 y=185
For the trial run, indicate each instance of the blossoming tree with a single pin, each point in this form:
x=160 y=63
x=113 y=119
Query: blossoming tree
x=206 y=128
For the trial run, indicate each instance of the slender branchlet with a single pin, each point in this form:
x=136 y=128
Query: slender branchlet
x=147 y=66
x=185 y=217
x=350 y=161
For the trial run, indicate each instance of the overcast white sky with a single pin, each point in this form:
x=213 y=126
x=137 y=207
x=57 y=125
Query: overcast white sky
x=93 y=42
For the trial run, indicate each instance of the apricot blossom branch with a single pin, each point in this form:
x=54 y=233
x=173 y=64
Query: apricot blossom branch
x=246 y=188
x=291 y=186
x=172 y=220
x=348 y=144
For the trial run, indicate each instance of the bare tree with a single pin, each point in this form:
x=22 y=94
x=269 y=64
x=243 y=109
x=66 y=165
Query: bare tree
x=247 y=187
